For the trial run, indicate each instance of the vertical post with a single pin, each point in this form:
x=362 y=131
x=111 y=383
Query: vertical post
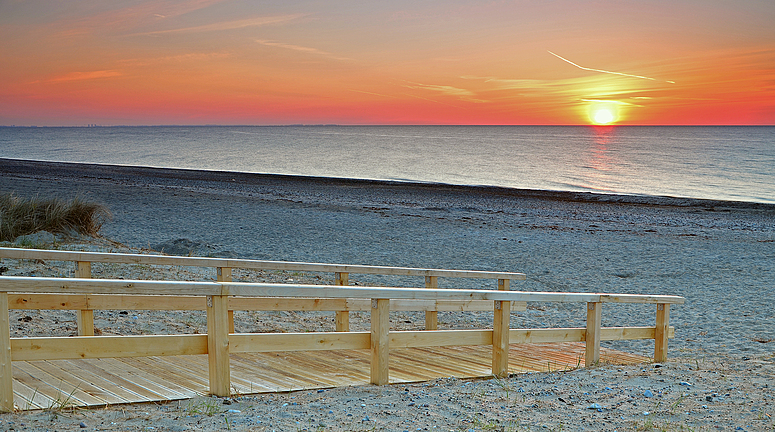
x=224 y=275
x=218 y=344
x=84 y=317
x=592 y=355
x=431 y=317
x=661 y=332
x=6 y=372
x=342 y=320
x=500 y=333
x=380 y=327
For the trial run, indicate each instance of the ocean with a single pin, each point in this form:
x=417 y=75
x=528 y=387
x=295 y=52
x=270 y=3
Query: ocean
x=718 y=162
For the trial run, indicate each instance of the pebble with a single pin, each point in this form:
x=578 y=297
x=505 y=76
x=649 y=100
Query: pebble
x=83 y=425
x=648 y=393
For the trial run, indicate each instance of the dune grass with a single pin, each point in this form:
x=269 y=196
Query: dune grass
x=22 y=216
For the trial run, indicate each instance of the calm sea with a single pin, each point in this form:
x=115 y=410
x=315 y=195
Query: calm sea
x=724 y=162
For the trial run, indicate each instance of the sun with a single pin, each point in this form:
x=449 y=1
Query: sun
x=603 y=114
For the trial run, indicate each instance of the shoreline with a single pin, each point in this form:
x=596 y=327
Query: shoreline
x=168 y=176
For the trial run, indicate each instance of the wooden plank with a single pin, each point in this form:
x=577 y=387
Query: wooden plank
x=106 y=386
x=267 y=342
x=380 y=342
x=84 y=317
x=431 y=316
x=661 y=332
x=431 y=338
x=592 y=335
x=146 y=302
x=109 y=286
x=500 y=339
x=120 y=258
x=166 y=390
x=446 y=362
x=48 y=301
x=218 y=345
x=27 y=398
x=291 y=304
x=578 y=334
x=53 y=390
x=47 y=348
x=69 y=386
x=6 y=371
x=273 y=367
x=223 y=274
x=521 y=336
x=342 y=319
x=181 y=372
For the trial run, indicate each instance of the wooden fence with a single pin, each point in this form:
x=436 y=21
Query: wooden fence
x=218 y=297
x=223 y=273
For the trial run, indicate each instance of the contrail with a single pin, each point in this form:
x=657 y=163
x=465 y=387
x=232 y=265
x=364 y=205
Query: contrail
x=605 y=71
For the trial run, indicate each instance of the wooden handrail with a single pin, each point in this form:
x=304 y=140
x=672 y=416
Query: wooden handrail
x=217 y=298
x=121 y=258
x=255 y=289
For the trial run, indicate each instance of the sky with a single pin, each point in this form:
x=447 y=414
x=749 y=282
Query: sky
x=234 y=62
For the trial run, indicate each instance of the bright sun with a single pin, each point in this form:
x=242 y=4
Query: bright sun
x=603 y=116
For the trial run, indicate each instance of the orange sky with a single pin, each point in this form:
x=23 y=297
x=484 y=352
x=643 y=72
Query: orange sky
x=386 y=62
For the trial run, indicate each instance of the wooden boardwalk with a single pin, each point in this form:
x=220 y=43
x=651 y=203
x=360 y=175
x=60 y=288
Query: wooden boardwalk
x=100 y=382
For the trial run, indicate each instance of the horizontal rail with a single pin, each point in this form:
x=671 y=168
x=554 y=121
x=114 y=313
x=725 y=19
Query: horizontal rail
x=166 y=303
x=67 y=348
x=17 y=284
x=85 y=347
x=120 y=258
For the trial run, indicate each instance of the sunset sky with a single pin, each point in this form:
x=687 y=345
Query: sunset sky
x=386 y=62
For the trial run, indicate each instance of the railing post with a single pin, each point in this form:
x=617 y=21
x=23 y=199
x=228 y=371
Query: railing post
x=6 y=372
x=661 y=332
x=218 y=344
x=85 y=317
x=342 y=320
x=500 y=333
x=380 y=328
x=224 y=275
x=431 y=317
x=592 y=354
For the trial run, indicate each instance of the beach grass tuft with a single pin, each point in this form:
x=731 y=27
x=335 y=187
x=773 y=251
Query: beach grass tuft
x=22 y=216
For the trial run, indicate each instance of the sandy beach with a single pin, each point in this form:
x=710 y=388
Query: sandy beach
x=719 y=255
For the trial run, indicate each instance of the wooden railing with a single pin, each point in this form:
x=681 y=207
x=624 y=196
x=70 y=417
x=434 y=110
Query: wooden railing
x=219 y=297
x=218 y=342
x=223 y=272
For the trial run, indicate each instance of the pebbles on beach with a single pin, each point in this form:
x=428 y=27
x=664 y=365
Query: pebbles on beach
x=720 y=257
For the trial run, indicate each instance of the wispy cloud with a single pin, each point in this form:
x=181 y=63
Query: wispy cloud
x=607 y=72
x=81 y=76
x=228 y=25
x=308 y=50
x=446 y=90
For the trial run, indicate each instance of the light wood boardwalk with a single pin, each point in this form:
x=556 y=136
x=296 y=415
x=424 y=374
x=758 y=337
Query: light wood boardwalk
x=101 y=382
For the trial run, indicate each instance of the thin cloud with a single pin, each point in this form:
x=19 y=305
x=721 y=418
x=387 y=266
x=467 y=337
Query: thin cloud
x=81 y=76
x=463 y=94
x=605 y=71
x=300 y=48
x=228 y=25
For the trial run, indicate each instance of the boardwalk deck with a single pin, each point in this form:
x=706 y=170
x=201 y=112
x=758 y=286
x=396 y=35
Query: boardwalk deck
x=101 y=382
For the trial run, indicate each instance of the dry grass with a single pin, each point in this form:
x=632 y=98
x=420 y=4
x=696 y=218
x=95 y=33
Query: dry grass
x=22 y=216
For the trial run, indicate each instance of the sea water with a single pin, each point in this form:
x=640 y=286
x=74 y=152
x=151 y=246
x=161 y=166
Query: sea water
x=717 y=162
